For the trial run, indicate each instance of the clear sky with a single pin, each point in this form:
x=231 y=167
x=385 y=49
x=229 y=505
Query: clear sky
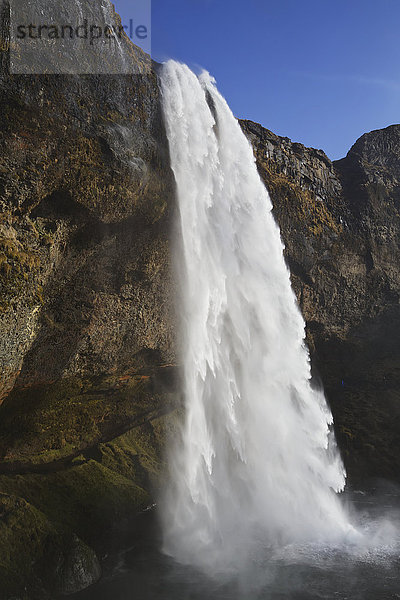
x=321 y=72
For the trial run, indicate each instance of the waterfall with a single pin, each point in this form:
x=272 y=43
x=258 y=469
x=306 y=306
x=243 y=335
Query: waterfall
x=256 y=463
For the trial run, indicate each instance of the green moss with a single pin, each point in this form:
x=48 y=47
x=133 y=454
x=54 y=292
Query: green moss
x=111 y=483
x=99 y=188
x=54 y=421
x=108 y=191
x=29 y=140
x=4 y=306
x=37 y=546
x=88 y=499
x=14 y=260
x=107 y=484
x=299 y=204
x=122 y=456
x=148 y=449
x=21 y=262
x=91 y=500
x=23 y=533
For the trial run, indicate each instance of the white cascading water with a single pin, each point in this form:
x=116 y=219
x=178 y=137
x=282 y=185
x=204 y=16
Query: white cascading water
x=257 y=462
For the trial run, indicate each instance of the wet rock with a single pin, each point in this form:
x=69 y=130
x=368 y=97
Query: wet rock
x=341 y=228
x=72 y=567
x=87 y=321
x=86 y=313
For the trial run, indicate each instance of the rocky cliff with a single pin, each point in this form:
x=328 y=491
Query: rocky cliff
x=340 y=225
x=86 y=317
x=87 y=346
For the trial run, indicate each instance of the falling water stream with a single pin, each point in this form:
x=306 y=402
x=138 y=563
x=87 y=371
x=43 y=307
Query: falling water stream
x=252 y=509
x=257 y=462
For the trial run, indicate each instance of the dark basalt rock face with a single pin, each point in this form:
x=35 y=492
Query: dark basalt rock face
x=87 y=323
x=71 y=567
x=86 y=317
x=340 y=225
x=85 y=195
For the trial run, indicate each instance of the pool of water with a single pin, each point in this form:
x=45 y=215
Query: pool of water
x=369 y=571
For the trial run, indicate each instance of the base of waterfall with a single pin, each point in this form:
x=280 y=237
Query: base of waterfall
x=225 y=552
x=367 y=570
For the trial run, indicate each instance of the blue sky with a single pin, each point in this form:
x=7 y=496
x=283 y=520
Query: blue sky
x=320 y=72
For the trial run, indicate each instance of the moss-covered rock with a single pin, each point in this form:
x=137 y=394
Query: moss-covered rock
x=68 y=565
x=55 y=422
x=86 y=193
x=86 y=317
x=23 y=534
x=58 y=517
x=37 y=557
x=73 y=478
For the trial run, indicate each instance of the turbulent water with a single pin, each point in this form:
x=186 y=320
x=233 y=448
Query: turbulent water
x=363 y=571
x=256 y=461
x=251 y=511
